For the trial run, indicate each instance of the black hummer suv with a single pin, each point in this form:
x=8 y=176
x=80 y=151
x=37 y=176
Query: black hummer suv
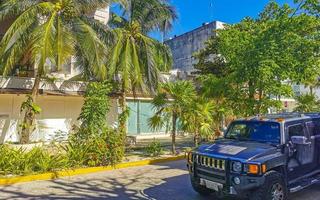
x=262 y=158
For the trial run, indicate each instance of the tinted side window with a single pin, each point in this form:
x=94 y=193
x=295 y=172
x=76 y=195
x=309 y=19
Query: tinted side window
x=295 y=130
x=310 y=128
x=316 y=130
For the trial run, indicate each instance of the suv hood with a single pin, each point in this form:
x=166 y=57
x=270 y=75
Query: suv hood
x=237 y=150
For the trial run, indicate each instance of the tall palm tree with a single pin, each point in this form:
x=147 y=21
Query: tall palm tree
x=45 y=34
x=136 y=59
x=171 y=103
x=136 y=62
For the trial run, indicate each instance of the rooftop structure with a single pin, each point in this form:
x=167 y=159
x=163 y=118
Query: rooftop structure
x=184 y=46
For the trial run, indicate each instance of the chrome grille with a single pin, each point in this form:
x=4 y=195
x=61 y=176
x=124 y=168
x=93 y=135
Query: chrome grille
x=210 y=162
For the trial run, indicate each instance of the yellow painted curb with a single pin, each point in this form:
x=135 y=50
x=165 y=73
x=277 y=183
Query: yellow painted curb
x=54 y=175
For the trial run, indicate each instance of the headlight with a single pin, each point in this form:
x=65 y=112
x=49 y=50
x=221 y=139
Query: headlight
x=237 y=166
x=255 y=168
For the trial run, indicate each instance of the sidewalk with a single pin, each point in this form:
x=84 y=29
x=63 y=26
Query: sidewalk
x=137 y=152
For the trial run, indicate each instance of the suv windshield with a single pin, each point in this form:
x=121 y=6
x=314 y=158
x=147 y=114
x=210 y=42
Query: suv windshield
x=268 y=132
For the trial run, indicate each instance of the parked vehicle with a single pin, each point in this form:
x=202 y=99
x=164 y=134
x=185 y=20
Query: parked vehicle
x=261 y=158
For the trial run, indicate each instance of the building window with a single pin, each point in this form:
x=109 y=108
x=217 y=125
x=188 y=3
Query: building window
x=140 y=112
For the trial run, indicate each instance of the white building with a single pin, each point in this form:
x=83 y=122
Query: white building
x=61 y=102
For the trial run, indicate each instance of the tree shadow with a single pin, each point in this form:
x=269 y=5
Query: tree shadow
x=64 y=190
x=127 y=184
x=164 y=181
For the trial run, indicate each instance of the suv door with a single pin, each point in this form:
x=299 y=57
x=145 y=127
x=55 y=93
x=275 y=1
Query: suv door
x=302 y=159
x=313 y=157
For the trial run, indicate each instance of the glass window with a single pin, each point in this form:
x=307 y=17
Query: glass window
x=311 y=128
x=296 y=130
x=255 y=131
x=316 y=130
x=138 y=124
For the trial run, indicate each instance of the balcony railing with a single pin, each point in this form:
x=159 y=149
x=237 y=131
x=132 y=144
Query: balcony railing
x=24 y=84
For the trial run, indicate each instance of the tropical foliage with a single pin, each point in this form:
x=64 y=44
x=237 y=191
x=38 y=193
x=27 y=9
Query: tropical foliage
x=94 y=143
x=170 y=103
x=19 y=161
x=198 y=118
x=250 y=62
x=307 y=103
x=152 y=15
x=154 y=149
x=91 y=144
x=95 y=108
x=136 y=59
x=32 y=109
x=45 y=34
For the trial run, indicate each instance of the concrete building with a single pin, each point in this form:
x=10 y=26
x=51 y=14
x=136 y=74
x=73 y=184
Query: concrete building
x=184 y=46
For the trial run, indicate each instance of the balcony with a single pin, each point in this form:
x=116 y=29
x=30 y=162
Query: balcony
x=21 y=85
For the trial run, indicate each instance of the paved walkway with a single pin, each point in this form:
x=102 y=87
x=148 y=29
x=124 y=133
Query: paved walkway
x=167 y=181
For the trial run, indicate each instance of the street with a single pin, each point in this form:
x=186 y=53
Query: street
x=167 y=181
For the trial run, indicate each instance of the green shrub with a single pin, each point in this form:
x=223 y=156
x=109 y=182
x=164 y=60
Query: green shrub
x=94 y=144
x=95 y=108
x=21 y=162
x=154 y=148
x=98 y=150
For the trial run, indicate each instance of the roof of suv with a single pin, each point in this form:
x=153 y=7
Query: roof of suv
x=283 y=117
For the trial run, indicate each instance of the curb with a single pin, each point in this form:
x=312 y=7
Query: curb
x=81 y=171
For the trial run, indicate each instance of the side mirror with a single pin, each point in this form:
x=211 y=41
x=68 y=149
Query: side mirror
x=300 y=140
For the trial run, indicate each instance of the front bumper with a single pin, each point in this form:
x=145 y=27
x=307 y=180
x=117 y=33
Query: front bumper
x=247 y=183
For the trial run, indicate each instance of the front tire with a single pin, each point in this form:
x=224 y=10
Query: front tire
x=274 y=188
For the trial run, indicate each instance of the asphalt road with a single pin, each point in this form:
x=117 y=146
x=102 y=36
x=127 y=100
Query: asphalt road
x=167 y=181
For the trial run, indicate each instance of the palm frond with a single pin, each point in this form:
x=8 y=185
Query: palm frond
x=43 y=39
x=92 y=48
x=64 y=45
x=13 y=8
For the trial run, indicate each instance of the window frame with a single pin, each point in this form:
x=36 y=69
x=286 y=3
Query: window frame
x=297 y=124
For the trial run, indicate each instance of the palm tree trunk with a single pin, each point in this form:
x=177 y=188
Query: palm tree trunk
x=311 y=90
x=174 y=130
x=29 y=116
x=123 y=116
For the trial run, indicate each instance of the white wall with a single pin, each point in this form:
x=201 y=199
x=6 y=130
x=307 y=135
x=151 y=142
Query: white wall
x=59 y=113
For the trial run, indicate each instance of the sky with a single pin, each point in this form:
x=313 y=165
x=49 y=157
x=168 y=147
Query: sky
x=192 y=13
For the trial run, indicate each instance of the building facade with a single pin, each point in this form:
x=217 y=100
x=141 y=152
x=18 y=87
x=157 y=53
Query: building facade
x=184 y=46
x=61 y=101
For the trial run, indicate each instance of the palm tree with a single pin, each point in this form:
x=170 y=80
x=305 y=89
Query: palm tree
x=172 y=101
x=307 y=103
x=45 y=34
x=136 y=62
x=136 y=59
x=199 y=119
x=152 y=15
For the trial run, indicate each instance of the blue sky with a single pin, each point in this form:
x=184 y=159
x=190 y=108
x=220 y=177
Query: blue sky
x=192 y=13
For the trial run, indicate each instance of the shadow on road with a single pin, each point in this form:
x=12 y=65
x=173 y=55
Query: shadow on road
x=167 y=181
x=93 y=189
x=175 y=188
